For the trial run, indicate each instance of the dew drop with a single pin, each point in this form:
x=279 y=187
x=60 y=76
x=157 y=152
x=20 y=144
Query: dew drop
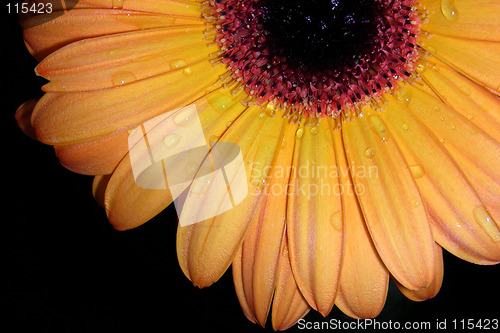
x=470 y=116
x=405 y=127
x=118 y=4
x=369 y=153
x=466 y=91
x=220 y=102
x=176 y=64
x=191 y=168
x=486 y=222
x=449 y=11
x=379 y=127
x=187 y=71
x=336 y=220
x=202 y=185
x=185 y=117
x=313 y=130
x=283 y=143
x=299 y=133
x=171 y=140
x=441 y=140
x=417 y=171
x=121 y=78
x=420 y=68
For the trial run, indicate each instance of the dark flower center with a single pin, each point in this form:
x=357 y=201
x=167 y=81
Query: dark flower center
x=320 y=34
x=316 y=56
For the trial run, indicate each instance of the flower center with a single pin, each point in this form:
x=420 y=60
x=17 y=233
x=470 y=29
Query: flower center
x=319 y=34
x=316 y=57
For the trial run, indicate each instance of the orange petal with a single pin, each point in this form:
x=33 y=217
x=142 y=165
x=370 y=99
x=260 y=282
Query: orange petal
x=110 y=61
x=463 y=18
x=76 y=117
x=94 y=157
x=99 y=188
x=475 y=152
x=468 y=98
x=259 y=254
x=129 y=205
x=479 y=60
x=44 y=34
x=314 y=223
x=438 y=177
x=23 y=117
x=390 y=201
x=206 y=249
x=364 y=278
x=431 y=290
x=288 y=305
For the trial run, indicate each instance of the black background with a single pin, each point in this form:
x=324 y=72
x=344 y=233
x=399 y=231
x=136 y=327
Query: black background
x=66 y=270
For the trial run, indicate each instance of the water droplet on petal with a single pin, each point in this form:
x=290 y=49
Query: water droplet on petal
x=369 y=152
x=405 y=127
x=121 y=78
x=220 y=102
x=417 y=171
x=313 y=130
x=336 y=220
x=486 y=222
x=283 y=143
x=466 y=91
x=185 y=117
x=191 y=168
x=187 y=71
x=176 y=64
x=379 y=127
x=449 y=11
x=171 y=140
x=118 y=4
x=299 y=133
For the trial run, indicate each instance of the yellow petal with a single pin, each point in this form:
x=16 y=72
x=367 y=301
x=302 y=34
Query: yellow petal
x=476 y=153
x=431 y=290
x=44 y=34
x=364 y=278
x=256 y=269
x=206 y=249
x=99 y=188
x=468 y=98
x=115 y=60
x=288 y=305
x=438 y=177
x=463 y=18
x=390 y=201
x=76 y=117
x=479 y=60
x=94 y=157
x=314 y=229
x=129 y=205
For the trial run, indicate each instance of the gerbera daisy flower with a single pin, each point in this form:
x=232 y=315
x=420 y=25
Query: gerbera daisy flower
x=368 y=131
